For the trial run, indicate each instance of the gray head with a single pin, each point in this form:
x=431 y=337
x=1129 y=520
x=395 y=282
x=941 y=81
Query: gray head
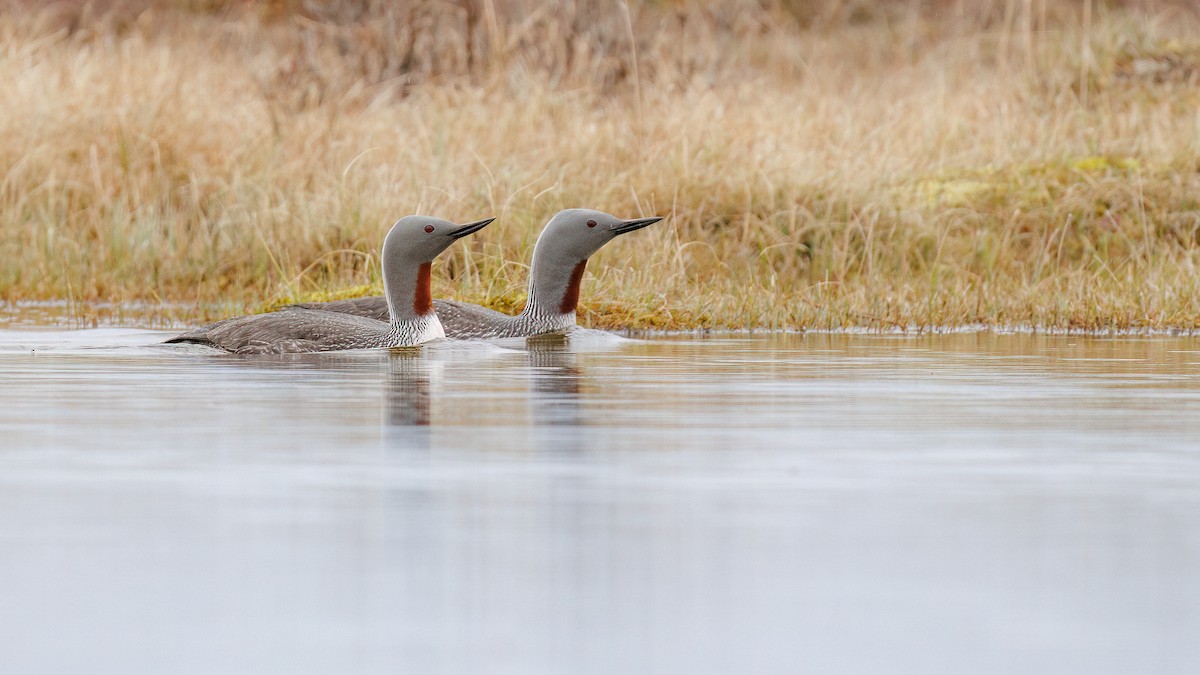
x=419 y=239
x=561 y=254
x=408 y=253
x=575 y=234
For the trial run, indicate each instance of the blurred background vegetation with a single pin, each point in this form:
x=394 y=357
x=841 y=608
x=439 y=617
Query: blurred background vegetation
x=823 y=164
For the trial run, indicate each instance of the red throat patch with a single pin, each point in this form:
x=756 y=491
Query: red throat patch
x=571 y=297
x=423 y=296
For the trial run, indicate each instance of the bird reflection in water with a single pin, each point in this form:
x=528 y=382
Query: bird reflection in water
x=555 y=378
x=407 y=399
x=554 y=396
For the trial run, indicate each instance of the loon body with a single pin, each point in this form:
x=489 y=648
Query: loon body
x=408 y=317
x=559 y=259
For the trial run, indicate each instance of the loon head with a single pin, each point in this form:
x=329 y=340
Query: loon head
x=419 y=239
x=575 y=234
x=408 y=253
x=562 y=252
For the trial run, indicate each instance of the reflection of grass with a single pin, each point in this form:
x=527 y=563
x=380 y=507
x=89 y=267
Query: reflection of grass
x=822 y=167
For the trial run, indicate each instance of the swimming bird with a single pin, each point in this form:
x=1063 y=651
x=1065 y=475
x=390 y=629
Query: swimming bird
x=559 y=258
x=410 y=319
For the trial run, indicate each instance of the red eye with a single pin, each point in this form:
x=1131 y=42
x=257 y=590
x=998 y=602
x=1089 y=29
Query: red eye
x=591 y=223
x=429 y=228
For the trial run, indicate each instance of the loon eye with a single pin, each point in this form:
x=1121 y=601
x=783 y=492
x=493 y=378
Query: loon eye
x=429 y=228
x=591 y=223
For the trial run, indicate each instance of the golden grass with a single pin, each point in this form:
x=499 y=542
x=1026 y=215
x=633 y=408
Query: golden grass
x=840 y=166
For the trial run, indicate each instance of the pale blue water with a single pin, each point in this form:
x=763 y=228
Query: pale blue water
x=778 y=504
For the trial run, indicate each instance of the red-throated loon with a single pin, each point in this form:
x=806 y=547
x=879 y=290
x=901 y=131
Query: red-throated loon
x=409 y=317
x=559 y=258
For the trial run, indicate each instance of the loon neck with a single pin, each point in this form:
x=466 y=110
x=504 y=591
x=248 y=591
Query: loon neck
x=554 y=290
x=570 y=298
x=422 y=303
x=408 y=292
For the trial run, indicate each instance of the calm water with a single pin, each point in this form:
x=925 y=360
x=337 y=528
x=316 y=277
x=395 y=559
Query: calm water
x=780 y=504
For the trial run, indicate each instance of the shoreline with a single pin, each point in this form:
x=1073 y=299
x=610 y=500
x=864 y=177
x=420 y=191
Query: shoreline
x=64 y=315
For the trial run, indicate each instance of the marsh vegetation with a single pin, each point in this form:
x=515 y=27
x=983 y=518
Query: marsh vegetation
x=824 y=164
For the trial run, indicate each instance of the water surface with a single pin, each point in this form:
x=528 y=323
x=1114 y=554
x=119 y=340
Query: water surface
x=784 y=503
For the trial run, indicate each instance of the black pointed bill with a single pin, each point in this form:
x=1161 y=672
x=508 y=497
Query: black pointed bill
x=635 y=224
x=471 y=228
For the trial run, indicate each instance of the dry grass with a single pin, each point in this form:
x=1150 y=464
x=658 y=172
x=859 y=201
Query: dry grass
x=823 y=165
